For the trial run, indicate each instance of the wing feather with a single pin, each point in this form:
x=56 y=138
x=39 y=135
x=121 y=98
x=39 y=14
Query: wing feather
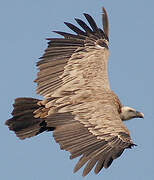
x=92 y=24
x=84 y=26
x=69 y=36
x=99 y=165
x=75 y=29
x=105 y=22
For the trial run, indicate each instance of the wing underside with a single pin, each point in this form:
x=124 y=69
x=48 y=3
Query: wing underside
x=91 y=135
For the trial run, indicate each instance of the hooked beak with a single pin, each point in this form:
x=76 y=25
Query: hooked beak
x=139 y=114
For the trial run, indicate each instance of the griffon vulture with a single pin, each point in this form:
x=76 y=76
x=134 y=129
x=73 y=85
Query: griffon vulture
x=85 y=115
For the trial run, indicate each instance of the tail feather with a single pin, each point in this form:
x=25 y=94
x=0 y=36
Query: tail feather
x=23 y=122
x=22 y=105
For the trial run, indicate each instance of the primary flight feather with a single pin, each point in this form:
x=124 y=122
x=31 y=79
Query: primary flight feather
x=78 y=105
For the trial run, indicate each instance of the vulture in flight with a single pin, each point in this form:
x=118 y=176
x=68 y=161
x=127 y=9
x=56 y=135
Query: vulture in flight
x=85 y=115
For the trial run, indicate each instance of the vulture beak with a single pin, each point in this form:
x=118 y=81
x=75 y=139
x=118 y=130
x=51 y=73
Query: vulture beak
x=139 y=114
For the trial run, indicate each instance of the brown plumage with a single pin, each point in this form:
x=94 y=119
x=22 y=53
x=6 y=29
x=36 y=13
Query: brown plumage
x=78 y=106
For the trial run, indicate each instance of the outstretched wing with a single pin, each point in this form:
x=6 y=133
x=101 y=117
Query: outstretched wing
x=83 y=109
x=96 y=133
x=60 y=50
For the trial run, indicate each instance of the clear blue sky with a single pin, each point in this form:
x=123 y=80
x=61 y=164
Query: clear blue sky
x=24 y=25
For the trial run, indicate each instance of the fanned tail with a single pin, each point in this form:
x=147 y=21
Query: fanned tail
x=23 y=122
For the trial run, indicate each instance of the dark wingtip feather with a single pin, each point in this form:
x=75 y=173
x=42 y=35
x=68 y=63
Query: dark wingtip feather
x=83 y=25
x=91 y=22
x=105 y=22
x=74 y=28
x=108 y=162
x=89 y=166
x=64 y=34
x=99 y=166
x=69 y=35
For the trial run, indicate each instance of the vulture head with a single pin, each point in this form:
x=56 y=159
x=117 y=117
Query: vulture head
x=128 y=113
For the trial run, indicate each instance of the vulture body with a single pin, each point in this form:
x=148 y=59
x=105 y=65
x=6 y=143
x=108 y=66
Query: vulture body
x=78 y=105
